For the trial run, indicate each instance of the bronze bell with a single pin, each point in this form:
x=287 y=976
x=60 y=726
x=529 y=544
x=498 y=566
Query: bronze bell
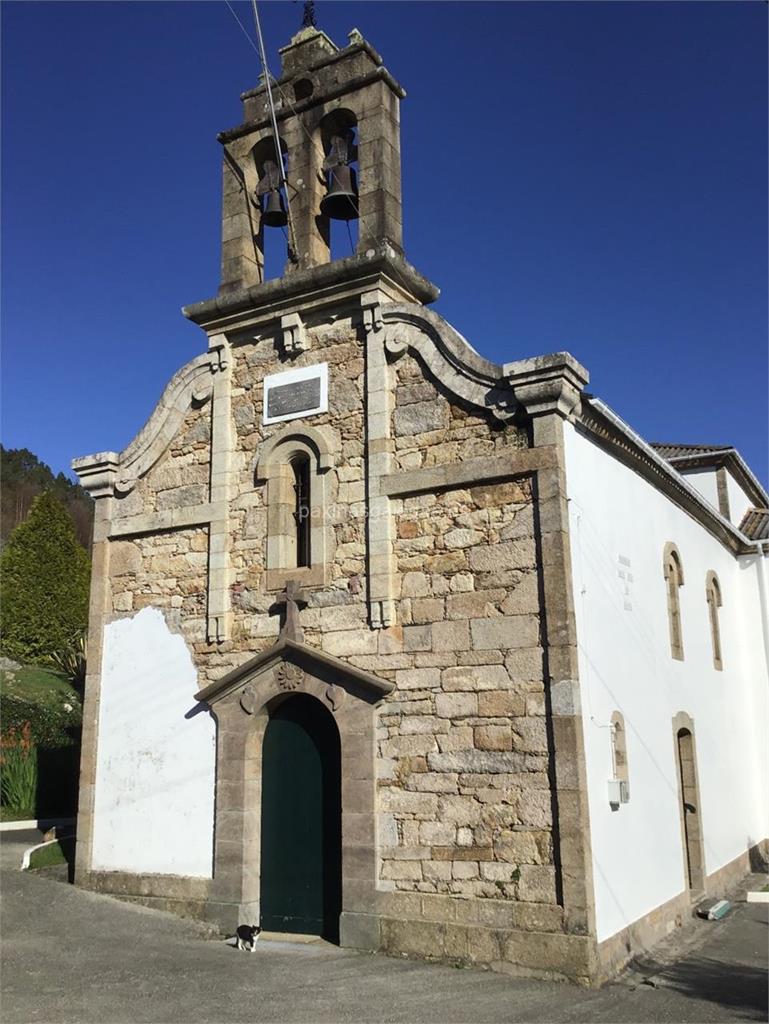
x=341 y=200
x=274 y=210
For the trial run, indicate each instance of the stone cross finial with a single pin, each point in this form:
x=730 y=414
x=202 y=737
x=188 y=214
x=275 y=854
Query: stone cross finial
x=292 y=597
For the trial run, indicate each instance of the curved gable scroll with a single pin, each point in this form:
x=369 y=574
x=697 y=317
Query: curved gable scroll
x=449 y=358
x=190 y=385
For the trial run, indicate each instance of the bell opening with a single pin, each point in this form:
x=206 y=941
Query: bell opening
x=338 y=131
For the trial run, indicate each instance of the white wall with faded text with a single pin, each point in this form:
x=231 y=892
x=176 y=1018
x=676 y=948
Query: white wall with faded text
x=619 y=526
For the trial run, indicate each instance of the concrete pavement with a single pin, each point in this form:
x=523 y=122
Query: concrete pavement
x=75 y=956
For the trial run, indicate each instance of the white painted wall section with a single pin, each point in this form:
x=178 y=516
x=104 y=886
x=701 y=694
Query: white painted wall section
x=704 y=481
x=154 y=800
x=739 y=502
x=619 y=526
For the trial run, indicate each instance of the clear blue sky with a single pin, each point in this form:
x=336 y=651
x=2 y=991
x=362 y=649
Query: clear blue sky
x=619 y=152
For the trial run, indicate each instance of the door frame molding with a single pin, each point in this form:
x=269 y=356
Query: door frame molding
x=691 y=869
x=241 y=703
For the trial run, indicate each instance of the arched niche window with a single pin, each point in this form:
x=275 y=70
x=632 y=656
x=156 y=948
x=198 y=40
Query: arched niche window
x=339 y=207
x=674 y=577
x=619 y=747
x=620 y=784
x=294 y=465
x=713 y=597
x=269 y=198
x=300 y=465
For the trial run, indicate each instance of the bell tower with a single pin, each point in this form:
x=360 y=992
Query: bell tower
x=336 y=157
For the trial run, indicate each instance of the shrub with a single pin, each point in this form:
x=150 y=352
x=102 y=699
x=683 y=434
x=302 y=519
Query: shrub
x=71 y=659
x=44 y=586
x=52 y=723
x=18 y=761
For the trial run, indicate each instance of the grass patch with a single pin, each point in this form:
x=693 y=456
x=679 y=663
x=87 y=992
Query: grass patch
x=39 y=744
x=31 y=682
x=6 y=814
x=55 y=853
x=46 y=699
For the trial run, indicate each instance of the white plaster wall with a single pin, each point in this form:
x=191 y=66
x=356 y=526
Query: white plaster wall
x=625 y=665
x=739 y=502
x=155 y=768
x=704 y=481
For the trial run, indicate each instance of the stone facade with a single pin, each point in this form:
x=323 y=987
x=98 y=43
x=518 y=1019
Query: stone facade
x=424 y=597
x=434 y=618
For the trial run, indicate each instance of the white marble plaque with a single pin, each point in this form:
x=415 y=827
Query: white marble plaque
x=295 y=393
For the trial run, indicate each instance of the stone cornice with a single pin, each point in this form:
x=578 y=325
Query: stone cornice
x=306 y=657
x=97 y=473
x=376 y=74
x=548 y=384
x=598 y=421
x=355 y=274
x=516 y=462
x=108 y=473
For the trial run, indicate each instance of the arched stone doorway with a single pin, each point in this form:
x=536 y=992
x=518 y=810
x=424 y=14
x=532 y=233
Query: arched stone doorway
x=301 y=870
x=247 y=703
x=689 y=802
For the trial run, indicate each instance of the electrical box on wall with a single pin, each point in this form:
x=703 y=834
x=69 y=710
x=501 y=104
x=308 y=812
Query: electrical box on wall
x=619 y=793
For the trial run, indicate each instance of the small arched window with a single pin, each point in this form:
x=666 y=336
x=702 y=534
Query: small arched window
x=294 y=463
x=674 y=577
x=619 y=784
x=300 y=464
x=713 y=597
x=619 y=747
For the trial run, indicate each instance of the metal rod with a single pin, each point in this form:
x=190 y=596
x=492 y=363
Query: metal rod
x=276 y=137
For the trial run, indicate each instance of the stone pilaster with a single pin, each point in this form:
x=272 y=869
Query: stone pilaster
x=99 y=608
x=219 y=604
x=379 y=449
x=549 y=389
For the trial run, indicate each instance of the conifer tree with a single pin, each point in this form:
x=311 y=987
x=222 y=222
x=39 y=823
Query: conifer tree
x=44 y=584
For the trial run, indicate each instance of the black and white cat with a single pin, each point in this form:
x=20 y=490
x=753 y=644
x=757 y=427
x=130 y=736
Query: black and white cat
x=247 y=935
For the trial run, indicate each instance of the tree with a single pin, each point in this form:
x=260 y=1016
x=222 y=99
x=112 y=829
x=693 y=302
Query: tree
x=24 y=477
x=44 y=585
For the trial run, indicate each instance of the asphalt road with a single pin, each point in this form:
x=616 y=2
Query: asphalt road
x=74 y=956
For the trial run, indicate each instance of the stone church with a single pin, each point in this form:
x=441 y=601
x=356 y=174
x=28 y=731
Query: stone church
x=392 y=644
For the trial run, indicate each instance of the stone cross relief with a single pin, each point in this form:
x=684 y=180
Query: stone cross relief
x=292 y=597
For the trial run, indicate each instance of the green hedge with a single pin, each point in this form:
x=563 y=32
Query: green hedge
x=52 y=725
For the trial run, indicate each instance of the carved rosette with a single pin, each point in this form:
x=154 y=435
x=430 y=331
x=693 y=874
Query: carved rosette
x=289 y=676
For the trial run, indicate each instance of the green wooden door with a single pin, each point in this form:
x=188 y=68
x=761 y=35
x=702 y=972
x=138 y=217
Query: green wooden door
x=301 y=820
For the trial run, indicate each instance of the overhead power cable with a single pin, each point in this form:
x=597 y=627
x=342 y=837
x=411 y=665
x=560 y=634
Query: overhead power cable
x=278 y=154
x=283 y=94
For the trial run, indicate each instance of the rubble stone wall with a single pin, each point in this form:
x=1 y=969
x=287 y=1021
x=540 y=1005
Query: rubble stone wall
x=465 y=795
x=464 y=792
x=430 y=430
